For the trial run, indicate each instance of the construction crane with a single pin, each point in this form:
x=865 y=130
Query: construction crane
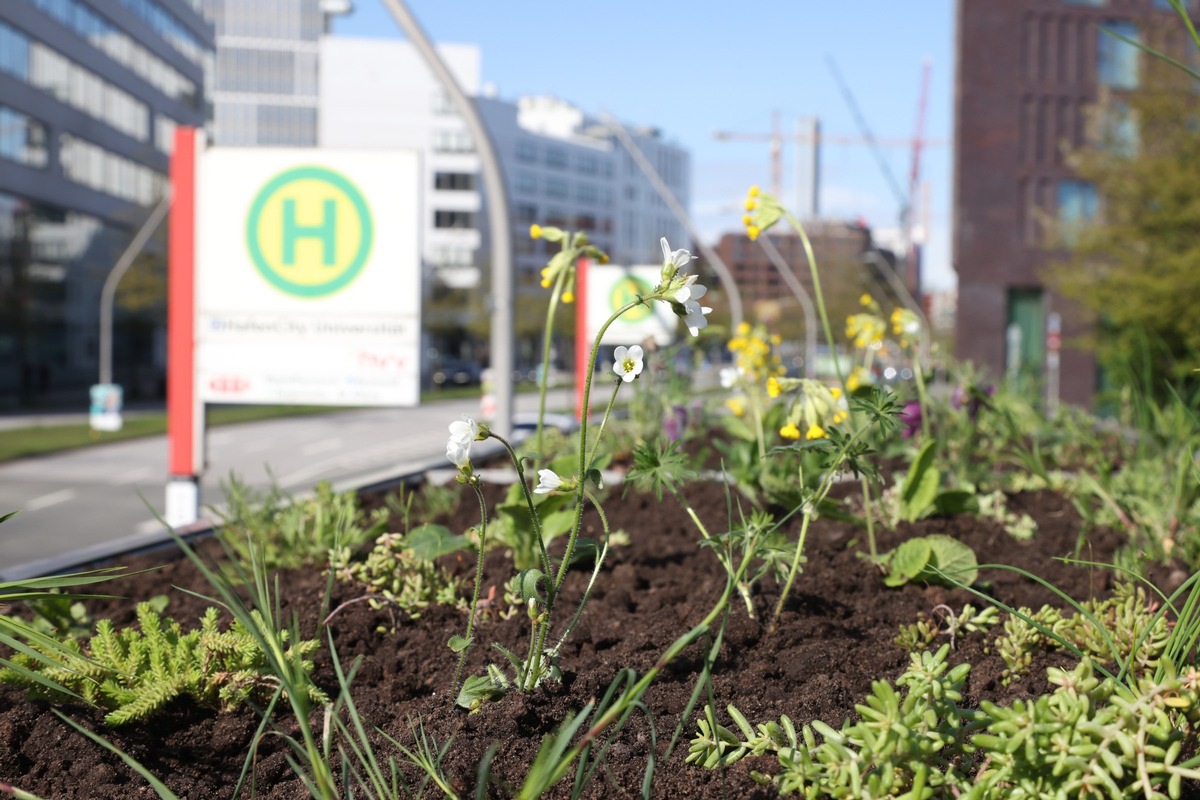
x=907 y=200
x=808 y=133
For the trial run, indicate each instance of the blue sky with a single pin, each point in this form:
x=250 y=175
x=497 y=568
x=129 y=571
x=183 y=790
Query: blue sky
x=694 y=68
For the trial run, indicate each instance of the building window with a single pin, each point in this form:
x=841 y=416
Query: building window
x=587 y=164
x=22 y=138
x=527 y=151
x=445 y=141
x=14 y=53
x=527 y=182
x=1026 y=333
x=556 y=157
x=525 y=212
x=454 y=219
x=442 y=104
x=1117 y=60
x=1077 y=207
x=556 y=188
x=93 y=166
x=587 y=193
x=454 y=181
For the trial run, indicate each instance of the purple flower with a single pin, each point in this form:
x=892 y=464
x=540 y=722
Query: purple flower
x=910 y=415
x=972 y=397
x=674 y=423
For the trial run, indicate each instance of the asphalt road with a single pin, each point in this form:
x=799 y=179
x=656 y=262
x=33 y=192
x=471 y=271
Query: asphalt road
x=83 y=503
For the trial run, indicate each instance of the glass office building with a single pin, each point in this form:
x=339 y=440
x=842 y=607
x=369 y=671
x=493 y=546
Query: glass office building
x=264 y=90
x=91 y=92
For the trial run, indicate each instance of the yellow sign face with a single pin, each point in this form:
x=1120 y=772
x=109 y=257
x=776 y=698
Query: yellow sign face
x=309 y=231
x=627 y=290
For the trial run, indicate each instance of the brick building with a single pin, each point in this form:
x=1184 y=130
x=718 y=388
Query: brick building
x=1027 y=73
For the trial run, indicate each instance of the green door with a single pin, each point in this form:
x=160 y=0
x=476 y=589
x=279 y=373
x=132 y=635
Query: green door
x=1026 y=313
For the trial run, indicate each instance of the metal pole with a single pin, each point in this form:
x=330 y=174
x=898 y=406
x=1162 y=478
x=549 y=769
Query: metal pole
x=810 y=314
x=723 y=273
x=109 y=291
x=905 y=297
x=808 y=147
x=498 y=217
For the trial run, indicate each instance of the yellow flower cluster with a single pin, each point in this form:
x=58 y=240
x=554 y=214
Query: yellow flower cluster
x=817 y=407
x=755 y=357
x=866 y=330
x=574 y=247
x=906 y=325
x=762 y=211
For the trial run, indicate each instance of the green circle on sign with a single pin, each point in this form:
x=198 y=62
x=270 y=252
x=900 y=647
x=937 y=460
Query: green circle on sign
x=626 y=290
x=309 y=231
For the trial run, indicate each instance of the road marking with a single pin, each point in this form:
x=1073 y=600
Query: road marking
x=323 y=446
x=52 y=499
x=141 y=473
x=149 y=526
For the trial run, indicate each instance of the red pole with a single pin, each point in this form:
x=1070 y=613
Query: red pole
x=181 y=308
x=583 y=342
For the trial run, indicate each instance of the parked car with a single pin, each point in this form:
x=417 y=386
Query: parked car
x=456 y=372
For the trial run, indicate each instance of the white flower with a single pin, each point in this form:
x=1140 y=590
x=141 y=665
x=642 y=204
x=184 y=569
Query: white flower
x=729 y=376
x=459 y=452
x=466 y=430
x=694 y=313
x=628 y=361
x=548 y=481
x=674 y=259
x=458 y=446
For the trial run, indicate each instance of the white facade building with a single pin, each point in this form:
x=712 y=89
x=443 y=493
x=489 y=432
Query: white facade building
x=378 y=93
x=561 y=166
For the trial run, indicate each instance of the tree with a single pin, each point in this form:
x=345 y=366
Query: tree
x=1136 y=266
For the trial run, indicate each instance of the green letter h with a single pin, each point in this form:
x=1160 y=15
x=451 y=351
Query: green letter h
x=326 y=231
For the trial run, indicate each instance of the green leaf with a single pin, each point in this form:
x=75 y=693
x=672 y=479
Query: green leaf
x=595 y=478
x=952 y=557
x=585 y=553
x=955 y=501
x=529 y=583
x=478 y=689
x=428 y=542
x=458 y=643
x=920 y=485
x=910 y=558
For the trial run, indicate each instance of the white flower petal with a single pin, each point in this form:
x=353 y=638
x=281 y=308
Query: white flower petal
x=635 y=352
x=548 y=481
x=459 y=452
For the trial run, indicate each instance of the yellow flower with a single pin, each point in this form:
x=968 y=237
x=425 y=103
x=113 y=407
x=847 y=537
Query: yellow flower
x=604 y=258
x=836 y=392
x=545 y=283
x=747 y=220
x=773 y=387
x=743 y=329
x=737 y=405
x=568 y=297
x=535 y=231
x=815 y=431
x=855 y=378
x=752 y=231
x=750 y=204
x=866 y=299
x=790 y=431
x=753 y=191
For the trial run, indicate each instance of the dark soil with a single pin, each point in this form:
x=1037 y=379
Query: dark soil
x=836 y=637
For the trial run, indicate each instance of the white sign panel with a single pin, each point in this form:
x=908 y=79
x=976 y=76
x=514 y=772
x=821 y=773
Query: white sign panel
x=307 y=277
x=609 y=287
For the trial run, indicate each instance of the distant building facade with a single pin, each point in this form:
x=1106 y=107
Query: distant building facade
x=264 y=86
x=91 y=92
x=1027 y=72
x=560 y=165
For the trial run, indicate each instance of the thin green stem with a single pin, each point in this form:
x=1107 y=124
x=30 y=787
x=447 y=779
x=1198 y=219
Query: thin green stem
x=866 y=489
x=818 y=498
x=756 y=409
x=587 y=593
x=551 y=312
x=583 y=426
x=922 y=393
x=533 y=515
x=607 y=412
x=462 y=656
x=820 y=295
